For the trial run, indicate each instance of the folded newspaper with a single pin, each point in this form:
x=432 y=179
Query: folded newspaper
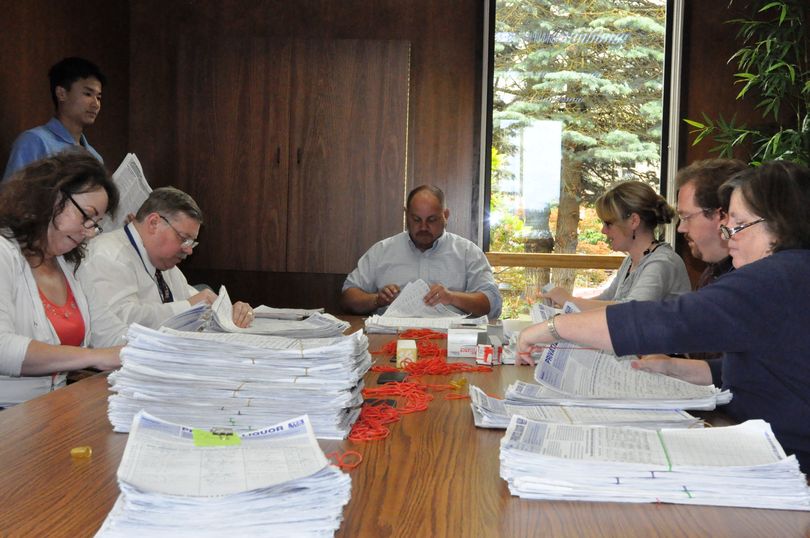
x=133 y=189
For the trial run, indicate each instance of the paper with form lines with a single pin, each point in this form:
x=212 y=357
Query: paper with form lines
x=741 y=465
x=410 y=303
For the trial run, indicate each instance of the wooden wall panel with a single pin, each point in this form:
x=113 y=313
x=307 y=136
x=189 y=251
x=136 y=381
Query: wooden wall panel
x=708 y=85
x=34 y=35
x=443 y=123
x=347 y=150
x=445 y=66
x=232 y=123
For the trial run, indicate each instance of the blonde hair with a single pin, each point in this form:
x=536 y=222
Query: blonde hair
x=626 y=198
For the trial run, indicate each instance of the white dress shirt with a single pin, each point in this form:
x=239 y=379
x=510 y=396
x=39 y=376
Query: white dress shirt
x=114 y=272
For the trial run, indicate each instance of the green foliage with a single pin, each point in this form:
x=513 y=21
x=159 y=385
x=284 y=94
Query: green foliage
x=774 y=68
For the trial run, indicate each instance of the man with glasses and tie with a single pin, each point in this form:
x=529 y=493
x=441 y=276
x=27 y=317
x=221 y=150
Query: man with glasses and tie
x=701 y=214
x=134 y=269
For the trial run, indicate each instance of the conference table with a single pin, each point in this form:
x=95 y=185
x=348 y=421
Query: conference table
x=436 y=475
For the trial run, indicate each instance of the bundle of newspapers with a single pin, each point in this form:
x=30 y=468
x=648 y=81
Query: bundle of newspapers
x=409 y=311
x=570 y=375
x=742 y=465
x=491 y=412
x=293 y=323
x=239 y=381
x=181 y=481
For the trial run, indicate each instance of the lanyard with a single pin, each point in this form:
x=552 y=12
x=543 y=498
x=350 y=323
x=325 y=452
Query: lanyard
x=138 y=252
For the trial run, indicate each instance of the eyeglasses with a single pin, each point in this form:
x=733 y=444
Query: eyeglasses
x=185 y=242
x=727 y=233
x=88 y=223
x=685 y=218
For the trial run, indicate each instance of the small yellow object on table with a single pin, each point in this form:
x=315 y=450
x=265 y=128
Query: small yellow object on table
x=82 y=452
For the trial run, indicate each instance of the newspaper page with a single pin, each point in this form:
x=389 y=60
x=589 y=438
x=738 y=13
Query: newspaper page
x=133 y=189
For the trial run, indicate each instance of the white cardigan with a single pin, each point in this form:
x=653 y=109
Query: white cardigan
x=22 y=319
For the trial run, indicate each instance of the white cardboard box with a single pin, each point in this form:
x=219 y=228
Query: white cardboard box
x=462 y=342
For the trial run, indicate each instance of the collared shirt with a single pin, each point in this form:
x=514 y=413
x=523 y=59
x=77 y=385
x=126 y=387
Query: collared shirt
x=114 y=272
x=454 y=262
x=42 y=141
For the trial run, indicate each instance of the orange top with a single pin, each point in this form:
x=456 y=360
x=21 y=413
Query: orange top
x=66 y=320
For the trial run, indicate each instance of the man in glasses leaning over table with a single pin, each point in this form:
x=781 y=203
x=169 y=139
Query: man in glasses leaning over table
x=134 y=269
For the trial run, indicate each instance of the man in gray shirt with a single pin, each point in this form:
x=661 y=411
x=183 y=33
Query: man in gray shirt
x=457 y=271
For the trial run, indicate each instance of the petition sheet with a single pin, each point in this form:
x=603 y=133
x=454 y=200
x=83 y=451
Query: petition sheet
x=598 y=374
x=410 y=303
x=162 y=457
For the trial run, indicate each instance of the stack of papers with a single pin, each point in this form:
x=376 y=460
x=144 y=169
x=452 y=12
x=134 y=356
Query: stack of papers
x=409 y=311
x=292 y=323
x=489 y=412
x=176 y=481
x=569 y=375
x=285 y=313
x=239 y=381
x=741 y=465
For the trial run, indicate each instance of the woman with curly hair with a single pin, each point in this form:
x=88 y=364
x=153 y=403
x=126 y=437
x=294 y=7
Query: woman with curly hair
x=47 y=213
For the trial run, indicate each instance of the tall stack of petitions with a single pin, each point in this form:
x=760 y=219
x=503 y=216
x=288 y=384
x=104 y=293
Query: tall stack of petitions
x=239 y=381
x=178 y=481
x=741 y=465
x=568 y=375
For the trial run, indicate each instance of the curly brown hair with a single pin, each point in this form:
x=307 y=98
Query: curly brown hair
x=37 y=194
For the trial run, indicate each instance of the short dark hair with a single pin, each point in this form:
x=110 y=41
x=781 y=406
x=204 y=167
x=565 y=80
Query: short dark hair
x=37 y=194
x=67 y=71
x=169 y=201
x=435 y=191
x=779 y=192
x=707 y=175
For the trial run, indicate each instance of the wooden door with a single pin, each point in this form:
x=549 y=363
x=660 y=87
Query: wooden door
x=347 y=150
x=233 y=135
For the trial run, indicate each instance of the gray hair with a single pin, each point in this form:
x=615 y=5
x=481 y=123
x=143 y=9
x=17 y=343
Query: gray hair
x=168 y=201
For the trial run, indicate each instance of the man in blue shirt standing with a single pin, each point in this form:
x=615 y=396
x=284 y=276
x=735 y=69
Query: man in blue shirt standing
x=76 y=92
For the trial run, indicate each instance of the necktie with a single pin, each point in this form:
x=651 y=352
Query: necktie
x=163 y=288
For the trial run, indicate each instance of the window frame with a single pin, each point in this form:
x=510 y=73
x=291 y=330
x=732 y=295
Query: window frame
x=669 y=144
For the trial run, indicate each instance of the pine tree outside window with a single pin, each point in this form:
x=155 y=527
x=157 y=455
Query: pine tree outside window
x=578 y=104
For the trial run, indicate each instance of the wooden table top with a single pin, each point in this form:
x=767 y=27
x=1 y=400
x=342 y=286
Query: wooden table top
x=436 y=475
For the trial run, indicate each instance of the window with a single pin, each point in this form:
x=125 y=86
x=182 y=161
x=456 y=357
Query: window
x=578 y=104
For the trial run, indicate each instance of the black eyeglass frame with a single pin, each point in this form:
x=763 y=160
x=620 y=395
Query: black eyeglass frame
x=94 y=225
